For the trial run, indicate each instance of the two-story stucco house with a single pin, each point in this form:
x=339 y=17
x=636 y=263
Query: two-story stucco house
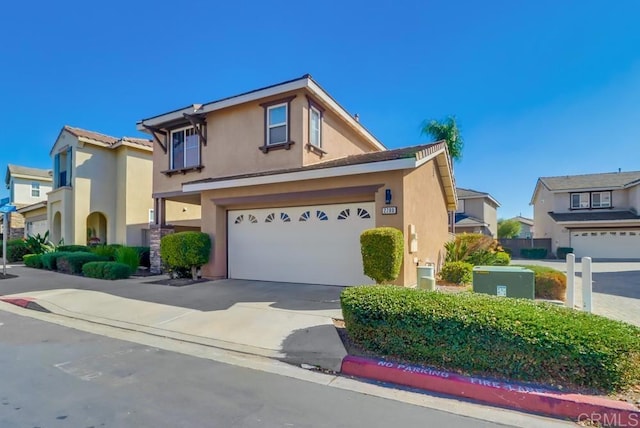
x=595 y=214
x=476 y=213
x=101 y=188
x=287 y=180
x=28 y=189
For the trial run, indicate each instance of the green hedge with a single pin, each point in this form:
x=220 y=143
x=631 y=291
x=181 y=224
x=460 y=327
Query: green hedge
x=72 y=262
x=550 y=283
x=33 y=260
x=457 y=272
x=74 y=248
x=144 y=253
x=562 y=252
x=17 y=250
x=533 y=253
x=382 y=251
x=108 y=251
x=502 y=259
x=106 y=270
x=50 y=260
x=128 y=256
x=513 y=338
x=186 y=250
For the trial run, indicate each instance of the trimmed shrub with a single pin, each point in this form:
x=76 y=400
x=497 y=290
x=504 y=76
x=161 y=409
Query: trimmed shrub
x=502 y=259
x=480 y=334
x=94 y=269
x=74 y=248
x=16 y=249
x=50 y=260
x=562 y=252
x=33 y=260
x=106 y=270
x=72 y=262
x=533 y=253
x=550 y=283
x=108 y=251
x=128 y=256
x=457 y=272
x=115 y=270
x=382 y=251
x=187 y=250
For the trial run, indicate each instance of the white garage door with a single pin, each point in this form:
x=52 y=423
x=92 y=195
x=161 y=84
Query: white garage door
x=606 y=244
x=313 y=244
x=37 y=227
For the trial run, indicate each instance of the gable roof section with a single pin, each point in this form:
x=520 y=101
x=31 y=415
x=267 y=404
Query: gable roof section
x=305 y=81
x=107 y=140
x=464 y=220
x=610 y=180
x=523 y=220
x=387 y=160
x=470 y=194
x=27 y=172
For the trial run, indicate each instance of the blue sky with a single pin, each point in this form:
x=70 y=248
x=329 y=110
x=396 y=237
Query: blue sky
x=539 y=87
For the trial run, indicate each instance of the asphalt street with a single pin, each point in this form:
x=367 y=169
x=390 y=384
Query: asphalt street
x=54 y=376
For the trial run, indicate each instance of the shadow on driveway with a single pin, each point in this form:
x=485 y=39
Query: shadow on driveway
x=206 y=296
x=623 y=284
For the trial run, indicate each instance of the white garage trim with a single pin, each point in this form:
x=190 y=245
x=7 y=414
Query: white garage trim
x=316 y=244
x=606 y=243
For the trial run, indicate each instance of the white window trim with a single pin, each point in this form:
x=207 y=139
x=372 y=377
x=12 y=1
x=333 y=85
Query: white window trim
x=152 y=217
x=184 y=153
x=581 y=194
x=600 y=205
x=277 y=125
x=313 y=110
x=35 y=186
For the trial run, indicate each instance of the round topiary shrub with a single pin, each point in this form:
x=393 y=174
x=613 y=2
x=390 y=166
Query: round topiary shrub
x=185 y=250
x=457 y=272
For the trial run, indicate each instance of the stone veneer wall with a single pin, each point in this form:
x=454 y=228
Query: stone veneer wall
x=155 y=235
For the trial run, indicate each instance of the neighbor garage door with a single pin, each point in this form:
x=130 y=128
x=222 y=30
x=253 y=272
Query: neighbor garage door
x=606 y=244
x=312 y=244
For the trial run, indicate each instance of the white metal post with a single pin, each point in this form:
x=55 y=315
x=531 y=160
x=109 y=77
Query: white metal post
x=4 y=243
x=571 y=281
x=586 y=284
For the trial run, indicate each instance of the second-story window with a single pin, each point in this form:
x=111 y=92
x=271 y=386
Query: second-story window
x=315 y=129
x=579 y=200
x=35 y=189
x=185 y=148
x=62 y=169
x=277 y=124
x=601 y=200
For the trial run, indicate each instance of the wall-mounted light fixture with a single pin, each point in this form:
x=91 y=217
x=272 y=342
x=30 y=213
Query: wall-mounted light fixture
x=387 y=196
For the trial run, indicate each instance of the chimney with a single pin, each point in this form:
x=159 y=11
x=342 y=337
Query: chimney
x=356 y=117
x=619 y=170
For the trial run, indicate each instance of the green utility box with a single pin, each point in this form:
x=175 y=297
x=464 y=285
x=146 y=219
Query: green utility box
x=506 y=281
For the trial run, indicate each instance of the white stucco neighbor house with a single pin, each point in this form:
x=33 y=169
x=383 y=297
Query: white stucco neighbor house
x=28 y=188
x=595 y=214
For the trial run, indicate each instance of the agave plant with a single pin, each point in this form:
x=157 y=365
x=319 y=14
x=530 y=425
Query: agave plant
x=39 y=244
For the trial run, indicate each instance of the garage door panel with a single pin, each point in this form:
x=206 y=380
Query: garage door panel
x=313 y=244
x=606 y=244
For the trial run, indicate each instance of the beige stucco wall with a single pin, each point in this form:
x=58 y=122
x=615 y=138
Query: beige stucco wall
x=22 y=190
x=620 y=200
x=424 y=205
x=491 y=217
x=61 y=201
x=136 y=177
x=417 y=195
x=182 y=214
x=634 y=198
x=235 y=134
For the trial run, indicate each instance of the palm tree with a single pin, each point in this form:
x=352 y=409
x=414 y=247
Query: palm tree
x=448 y=131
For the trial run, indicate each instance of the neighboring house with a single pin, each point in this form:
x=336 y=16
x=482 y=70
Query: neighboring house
x=476 y=213
x=101 y=188
x=27 y=186
x=595 y=214
x=287 y=180
x=526 y=227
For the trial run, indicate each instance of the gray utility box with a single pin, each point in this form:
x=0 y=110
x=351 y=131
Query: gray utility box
x=506 y=281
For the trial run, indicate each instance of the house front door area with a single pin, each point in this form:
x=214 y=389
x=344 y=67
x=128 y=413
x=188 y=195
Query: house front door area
x=315 y=244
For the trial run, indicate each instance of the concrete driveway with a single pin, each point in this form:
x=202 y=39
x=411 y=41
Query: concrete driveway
x=291 y=322
x=616 y=287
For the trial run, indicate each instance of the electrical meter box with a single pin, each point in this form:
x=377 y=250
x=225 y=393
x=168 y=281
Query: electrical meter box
x=504 y=281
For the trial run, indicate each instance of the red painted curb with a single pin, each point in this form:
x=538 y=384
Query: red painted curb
x=510 y=395
x=18 y=301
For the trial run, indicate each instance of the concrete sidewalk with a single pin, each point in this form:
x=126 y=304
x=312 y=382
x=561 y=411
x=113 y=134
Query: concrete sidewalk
x=268 y=319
